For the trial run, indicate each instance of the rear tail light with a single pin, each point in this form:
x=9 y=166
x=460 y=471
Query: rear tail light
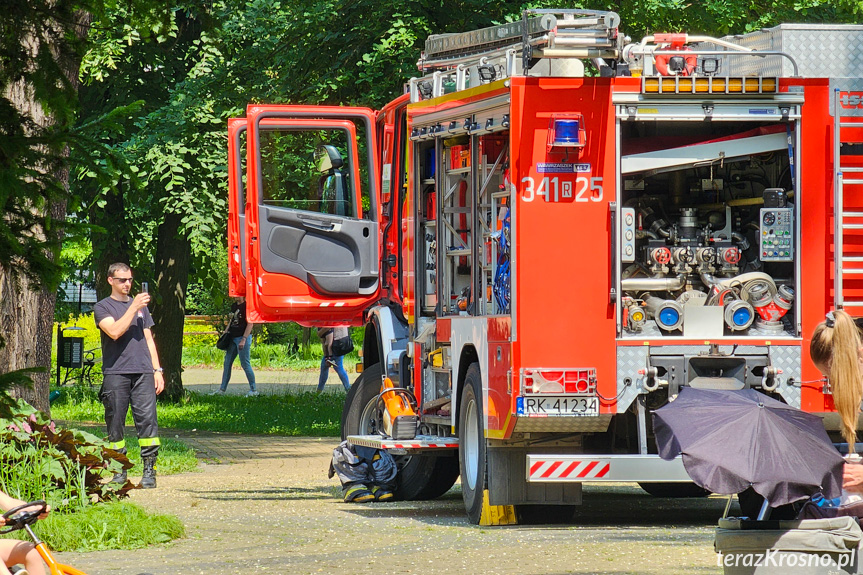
x=559 y=380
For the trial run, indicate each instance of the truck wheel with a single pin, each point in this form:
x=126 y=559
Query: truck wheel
x=442 y=477
x=472 y=446
x=420 y=476
x=674 y=490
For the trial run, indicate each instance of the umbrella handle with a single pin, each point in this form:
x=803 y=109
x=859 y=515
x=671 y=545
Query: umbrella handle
x=765 y=510
x=728 y=506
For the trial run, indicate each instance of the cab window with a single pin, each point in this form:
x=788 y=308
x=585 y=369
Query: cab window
x=313 y=170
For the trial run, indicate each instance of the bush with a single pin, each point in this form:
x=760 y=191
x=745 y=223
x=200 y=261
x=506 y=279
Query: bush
x=64 y=467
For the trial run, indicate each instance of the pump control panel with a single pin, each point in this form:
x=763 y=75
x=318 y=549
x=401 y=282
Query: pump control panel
x=776 y=235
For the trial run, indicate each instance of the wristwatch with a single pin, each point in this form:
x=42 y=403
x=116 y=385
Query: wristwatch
x=158 y=370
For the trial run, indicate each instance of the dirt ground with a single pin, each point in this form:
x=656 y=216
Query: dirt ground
x=265 y=505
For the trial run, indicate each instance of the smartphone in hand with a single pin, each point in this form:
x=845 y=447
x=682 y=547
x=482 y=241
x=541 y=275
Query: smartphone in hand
x=145 y=288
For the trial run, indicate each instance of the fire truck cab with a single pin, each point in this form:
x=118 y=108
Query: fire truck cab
x=551 y=232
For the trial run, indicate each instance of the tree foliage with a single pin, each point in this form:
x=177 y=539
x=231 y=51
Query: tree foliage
x=146 y=136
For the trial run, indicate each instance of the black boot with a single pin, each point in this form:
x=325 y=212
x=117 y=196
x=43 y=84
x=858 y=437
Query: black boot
x=148 y=481
x=119 y=477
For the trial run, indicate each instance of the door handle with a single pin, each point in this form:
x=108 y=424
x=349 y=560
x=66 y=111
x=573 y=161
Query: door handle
x=318 y=224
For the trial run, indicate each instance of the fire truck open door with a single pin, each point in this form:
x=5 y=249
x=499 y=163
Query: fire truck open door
x=311 y=214
x=236 y=208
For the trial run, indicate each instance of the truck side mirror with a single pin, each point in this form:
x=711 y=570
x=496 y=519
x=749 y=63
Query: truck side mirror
x=327 y=158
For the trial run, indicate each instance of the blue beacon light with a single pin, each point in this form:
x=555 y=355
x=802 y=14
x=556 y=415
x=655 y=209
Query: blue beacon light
x=566 y=133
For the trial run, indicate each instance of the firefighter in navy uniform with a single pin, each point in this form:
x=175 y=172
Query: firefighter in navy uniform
x=130 y=364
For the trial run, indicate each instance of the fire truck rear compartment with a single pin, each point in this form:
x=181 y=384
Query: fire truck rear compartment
x=708 y=227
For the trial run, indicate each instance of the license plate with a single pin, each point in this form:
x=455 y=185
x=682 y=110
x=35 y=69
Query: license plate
x=556 y=405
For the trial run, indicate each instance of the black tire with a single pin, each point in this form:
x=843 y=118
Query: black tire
x=442 y=477
x=674 y=490
x=420 y=477
x=472 y=445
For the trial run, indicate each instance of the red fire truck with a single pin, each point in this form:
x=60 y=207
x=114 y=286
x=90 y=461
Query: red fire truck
x=551 y=232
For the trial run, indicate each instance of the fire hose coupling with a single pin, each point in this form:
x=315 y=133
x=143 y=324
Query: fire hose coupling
x=739 y=315
x=636 y=316
x=772 y=308
x=669 y=315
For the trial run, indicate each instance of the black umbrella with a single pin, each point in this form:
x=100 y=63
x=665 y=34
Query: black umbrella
x=733 y=439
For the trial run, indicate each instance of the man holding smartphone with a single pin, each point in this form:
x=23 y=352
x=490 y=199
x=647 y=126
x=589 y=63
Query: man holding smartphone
x=130 y=365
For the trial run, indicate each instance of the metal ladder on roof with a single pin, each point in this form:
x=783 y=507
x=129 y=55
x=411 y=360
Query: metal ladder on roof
x=545 y=33
x=846 y=179
x=488 y=54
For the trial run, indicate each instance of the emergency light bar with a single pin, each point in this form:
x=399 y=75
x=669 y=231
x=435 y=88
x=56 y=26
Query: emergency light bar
x=708 y=85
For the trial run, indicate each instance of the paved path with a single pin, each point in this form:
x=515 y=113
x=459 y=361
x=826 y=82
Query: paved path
x=267 y=506
x=264 y=504
x=235 y=448
x=206 y=380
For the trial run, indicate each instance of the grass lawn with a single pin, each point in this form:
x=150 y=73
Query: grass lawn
x=304 y=414
x=113 y=525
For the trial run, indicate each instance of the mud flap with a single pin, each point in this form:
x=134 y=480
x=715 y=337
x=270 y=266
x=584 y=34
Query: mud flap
x=496 y=514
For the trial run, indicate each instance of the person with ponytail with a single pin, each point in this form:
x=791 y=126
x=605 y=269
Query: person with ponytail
x=837 y=351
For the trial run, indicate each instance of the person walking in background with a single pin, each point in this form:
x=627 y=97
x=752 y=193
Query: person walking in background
x=130 y=365
x=328 y=335
x=240 y=331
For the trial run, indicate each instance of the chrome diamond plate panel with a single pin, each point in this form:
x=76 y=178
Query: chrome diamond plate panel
x=821 y=51
x=597 y=424
x=630 y=359
x=787 y=358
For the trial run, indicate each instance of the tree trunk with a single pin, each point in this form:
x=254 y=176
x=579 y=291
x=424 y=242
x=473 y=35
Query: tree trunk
x=19 y=328
x=27 y=310
x=306 y=350
x=37 y=396
x=173 y=252
x=110 y=239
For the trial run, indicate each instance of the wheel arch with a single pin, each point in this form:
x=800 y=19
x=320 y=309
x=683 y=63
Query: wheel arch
x=467 y=356
x=387 y=342
x=371 y=346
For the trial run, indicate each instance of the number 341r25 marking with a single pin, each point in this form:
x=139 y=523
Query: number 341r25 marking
x=555 y=189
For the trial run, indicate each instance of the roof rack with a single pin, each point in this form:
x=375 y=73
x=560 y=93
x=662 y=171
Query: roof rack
x=546 y=33
x=488 y=54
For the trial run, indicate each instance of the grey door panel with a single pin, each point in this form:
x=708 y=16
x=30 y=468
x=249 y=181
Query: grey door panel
x=333 y=255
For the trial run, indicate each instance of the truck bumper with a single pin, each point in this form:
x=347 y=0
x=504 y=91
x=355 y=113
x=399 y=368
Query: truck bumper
x=580 y=468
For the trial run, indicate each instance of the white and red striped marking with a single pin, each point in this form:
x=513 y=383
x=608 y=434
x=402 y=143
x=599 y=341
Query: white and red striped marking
x=414 y=445
x=550 y=469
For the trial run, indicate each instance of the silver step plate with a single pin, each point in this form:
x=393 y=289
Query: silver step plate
x=402 y=446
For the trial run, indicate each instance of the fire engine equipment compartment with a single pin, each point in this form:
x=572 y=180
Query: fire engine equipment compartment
x=708 y=227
